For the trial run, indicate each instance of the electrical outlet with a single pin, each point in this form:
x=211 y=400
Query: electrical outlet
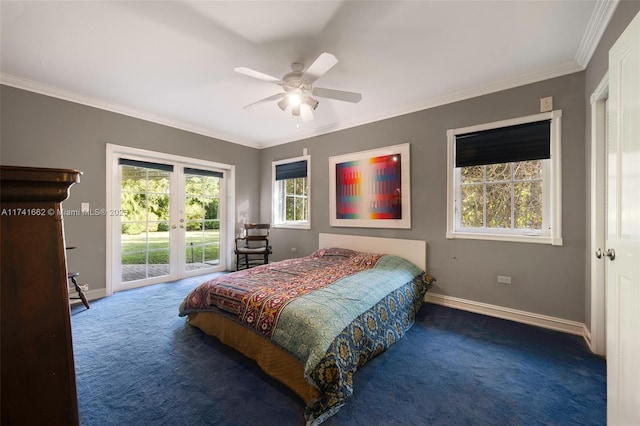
x=504 y=279
x=546 y=104
x=293 y=250
x=84 y=207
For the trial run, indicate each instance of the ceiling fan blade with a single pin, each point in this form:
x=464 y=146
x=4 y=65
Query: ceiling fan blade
x=306 y=113
x=321 y=65
x=257 y=74
x=275 y=97
x=337 y=94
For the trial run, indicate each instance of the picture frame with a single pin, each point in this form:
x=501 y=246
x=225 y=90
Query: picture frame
x=371 y=189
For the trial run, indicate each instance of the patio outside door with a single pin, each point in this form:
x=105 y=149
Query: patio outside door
x=171 y=221
x=200 y=216
x=145 y=239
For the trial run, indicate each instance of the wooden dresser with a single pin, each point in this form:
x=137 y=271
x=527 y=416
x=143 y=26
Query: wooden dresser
x=38 y=376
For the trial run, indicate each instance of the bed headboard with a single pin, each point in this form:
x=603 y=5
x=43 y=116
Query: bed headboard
x=414 y=251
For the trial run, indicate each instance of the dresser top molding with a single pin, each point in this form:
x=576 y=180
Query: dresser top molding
x=33 y=184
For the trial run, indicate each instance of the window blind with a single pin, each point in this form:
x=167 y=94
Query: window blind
x=522 y=142
x=145 y=164
x=295 y=170
x=199 y=172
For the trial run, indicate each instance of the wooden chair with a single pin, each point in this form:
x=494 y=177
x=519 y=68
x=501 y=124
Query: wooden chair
x=253 y=249
x=80 y=289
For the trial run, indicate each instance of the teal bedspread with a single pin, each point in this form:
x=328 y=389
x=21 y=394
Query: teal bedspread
x=335 y=329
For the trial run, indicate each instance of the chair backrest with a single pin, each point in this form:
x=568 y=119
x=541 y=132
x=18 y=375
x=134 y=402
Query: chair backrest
x=253 y=249
x=257 y=231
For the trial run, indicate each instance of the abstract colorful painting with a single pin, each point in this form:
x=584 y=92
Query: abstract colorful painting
x=370 y=189
x=377 y=197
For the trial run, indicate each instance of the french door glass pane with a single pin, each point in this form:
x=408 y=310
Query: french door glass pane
x=144 y=228
x=202 y=208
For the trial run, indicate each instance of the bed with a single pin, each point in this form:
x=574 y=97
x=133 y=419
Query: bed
x=311 y=322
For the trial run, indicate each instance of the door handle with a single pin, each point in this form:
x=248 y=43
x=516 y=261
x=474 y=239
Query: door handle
x=599 y=253
x=611 y=254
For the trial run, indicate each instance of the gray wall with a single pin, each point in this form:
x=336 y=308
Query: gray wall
x=547 y=280
x=594 y=73
x=41 y=131
x=46 y=132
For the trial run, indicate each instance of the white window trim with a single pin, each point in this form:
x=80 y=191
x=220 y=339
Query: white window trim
x=276 y=203
x=554 y=202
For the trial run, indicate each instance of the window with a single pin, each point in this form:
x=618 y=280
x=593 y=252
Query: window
x=291 y=195
x=504 y=180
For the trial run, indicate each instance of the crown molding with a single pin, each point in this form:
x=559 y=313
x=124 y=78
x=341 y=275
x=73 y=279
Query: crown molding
x=558 y=70
x=602 y=13
x=54 y=92
x=547 y=73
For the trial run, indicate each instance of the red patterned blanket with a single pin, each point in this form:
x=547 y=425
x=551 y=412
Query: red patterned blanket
x=258 y=295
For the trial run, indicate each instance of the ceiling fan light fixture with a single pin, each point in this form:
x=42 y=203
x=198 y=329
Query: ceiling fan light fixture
x=283 y=103
x=306 y=113
x=298 y=89
x=313 y=103
x=295 y=99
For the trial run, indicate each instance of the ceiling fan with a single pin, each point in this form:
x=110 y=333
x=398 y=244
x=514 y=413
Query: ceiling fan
x=298 y=90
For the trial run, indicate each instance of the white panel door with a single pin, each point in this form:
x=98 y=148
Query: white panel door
x=623 y=230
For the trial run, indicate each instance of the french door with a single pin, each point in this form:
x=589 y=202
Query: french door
x=169 y=218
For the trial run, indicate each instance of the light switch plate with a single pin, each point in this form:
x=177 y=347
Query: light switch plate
x=546 y=104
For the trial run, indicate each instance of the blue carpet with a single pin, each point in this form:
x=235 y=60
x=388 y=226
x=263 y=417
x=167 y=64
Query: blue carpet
x=138 y=363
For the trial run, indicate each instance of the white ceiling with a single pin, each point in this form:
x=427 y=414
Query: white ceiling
x=172 y=62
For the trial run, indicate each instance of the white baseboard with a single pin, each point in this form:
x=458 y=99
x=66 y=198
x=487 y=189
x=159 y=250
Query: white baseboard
x=586 y=333
x=544 y=321
x=558 y=324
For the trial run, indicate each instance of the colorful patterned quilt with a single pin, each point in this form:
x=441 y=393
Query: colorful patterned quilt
x=333 y=310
